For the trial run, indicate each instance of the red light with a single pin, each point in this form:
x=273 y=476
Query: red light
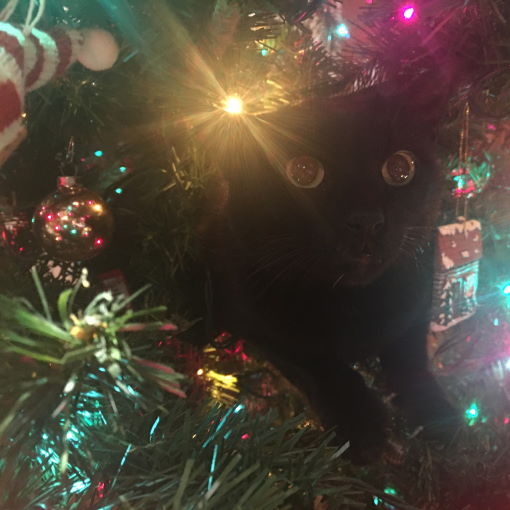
x=98 y=242
x=245 y=436
x=100 y=489
x=49 y=217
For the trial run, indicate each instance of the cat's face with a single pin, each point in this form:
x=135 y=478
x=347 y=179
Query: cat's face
x=336 y=191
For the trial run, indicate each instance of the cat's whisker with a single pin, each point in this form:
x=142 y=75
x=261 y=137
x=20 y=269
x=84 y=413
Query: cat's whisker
x=292 y=265
x=273 y=260
x=338 y=280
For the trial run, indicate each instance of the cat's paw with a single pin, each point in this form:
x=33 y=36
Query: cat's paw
x=440 y=420
x=367 y=447
x=366 y=429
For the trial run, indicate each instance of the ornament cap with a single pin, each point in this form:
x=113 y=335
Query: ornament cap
x=66 y=181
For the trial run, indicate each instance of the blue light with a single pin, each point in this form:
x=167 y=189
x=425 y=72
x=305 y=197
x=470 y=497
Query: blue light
x=342 y=31
x=264 y=52
x=213 y=467
x=238 y=408
x=98 y=154
x=122 y=169
x=154 y=426
x=118 y=191
x=506 y=290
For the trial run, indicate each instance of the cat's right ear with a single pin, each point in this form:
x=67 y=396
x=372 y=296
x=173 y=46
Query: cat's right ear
x=425 y=90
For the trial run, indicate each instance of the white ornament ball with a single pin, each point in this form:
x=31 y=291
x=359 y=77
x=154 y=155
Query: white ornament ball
x=98 y=50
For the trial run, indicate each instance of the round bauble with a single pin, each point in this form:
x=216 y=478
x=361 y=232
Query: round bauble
x=98 y=50
x=73 y=223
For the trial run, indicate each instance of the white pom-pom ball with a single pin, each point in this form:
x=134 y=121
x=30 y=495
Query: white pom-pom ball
x=98 y=50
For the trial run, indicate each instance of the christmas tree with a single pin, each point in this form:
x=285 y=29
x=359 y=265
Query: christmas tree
x=116 y=117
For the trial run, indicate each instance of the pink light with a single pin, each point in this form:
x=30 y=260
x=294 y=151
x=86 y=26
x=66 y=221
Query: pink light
x=245 y=436
x=408 y=12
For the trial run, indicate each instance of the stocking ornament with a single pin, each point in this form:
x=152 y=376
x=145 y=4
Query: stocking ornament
x=30 y=60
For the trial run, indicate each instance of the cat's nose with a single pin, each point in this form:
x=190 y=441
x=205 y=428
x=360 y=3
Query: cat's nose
x=366 y=222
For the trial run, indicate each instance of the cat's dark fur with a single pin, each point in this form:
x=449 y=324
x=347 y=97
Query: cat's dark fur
x=287 y=262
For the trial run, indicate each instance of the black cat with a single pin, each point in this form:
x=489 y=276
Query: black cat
x=320 y=251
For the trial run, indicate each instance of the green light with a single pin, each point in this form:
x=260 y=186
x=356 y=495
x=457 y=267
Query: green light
x=98 y=154
x=118 y=191
x=122 y=169
x=390 y=490
x=472 y=413
x=73 y=231
x=264 y=52
x=495 y=322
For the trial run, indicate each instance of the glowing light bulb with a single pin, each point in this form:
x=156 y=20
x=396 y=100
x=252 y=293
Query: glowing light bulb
x=390 y=490
x=408 y=13
x=342 y=31
x=98 y=154
x=233 y=105
x=472 y=413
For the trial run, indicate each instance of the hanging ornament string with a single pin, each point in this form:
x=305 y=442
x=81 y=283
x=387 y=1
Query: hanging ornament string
x=7 y=11
x=68 y=160
x=30 y=22
x=464 y=159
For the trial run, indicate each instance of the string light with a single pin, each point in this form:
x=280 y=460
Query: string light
x=408 y=13
x=342 y=31
x=233 y=105
x=472 y=413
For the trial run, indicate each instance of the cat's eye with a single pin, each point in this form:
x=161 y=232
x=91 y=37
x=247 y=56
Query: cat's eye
x=305 y=172
x=399 y=168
